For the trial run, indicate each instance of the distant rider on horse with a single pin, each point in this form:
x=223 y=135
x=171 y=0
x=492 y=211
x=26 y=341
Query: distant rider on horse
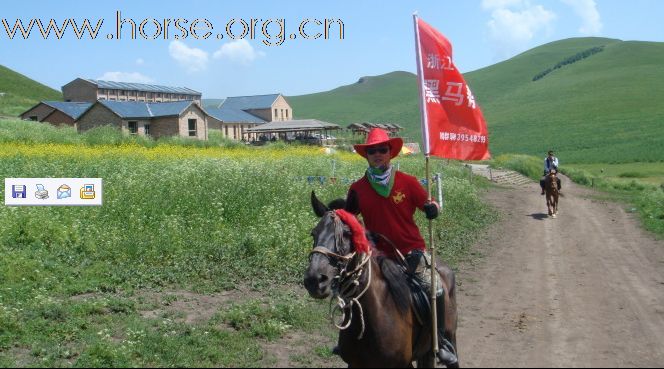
x=550 y=163
x=387 y=201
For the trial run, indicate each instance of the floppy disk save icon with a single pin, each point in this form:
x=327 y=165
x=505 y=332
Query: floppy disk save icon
x=88 y=192
x=64 y=191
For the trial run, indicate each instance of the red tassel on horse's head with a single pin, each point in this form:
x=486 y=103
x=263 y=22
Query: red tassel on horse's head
x=360 y=240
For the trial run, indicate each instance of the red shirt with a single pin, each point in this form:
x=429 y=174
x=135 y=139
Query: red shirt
x=392 y=216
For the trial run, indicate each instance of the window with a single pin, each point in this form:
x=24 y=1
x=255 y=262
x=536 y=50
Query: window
x=286 y=114
x=226 y=130
x=282 y=114
x=133 y=127
x=147 y=129
x=276 y=114
x=192 y=127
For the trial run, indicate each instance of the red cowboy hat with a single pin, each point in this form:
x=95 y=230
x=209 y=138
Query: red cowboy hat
x=377 y=137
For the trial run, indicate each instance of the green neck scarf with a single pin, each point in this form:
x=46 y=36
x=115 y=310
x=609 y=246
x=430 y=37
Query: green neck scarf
x=381 y=180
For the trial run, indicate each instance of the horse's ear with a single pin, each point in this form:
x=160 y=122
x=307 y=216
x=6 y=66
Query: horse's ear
x=337 y=204
x=352 y=203
x=319 y=208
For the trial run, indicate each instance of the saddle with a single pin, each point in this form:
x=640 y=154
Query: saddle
x=420 y=299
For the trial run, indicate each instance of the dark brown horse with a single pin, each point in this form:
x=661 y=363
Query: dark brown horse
x=552 y=194
x=378 y=325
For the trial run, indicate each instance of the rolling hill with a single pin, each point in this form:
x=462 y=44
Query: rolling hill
x=604 y=107
x=18 y=92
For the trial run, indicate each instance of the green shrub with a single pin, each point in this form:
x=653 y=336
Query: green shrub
x=630 y=175
x=529 y=166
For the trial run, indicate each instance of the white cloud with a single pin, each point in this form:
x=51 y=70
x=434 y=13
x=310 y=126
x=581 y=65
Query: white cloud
x=514 y=23
x=587 y=10
x=191 y=58
x=140 y=61
x=238 y=51
x=125 y=77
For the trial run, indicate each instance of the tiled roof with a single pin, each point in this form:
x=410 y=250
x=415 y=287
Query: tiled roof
x=135 y=109
x=142 y=87
x=294 y=125
x=250 y=102
x=72 y=109
x=233 y=116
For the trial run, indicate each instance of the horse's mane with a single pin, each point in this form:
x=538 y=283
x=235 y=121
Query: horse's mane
x=396 y=280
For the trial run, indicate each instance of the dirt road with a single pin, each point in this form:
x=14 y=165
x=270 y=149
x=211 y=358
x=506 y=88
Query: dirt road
x=583 y=290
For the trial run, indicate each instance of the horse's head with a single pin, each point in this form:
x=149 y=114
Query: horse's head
x=332 y=246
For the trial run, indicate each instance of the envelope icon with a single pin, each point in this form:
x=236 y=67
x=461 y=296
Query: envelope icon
x=64 y=191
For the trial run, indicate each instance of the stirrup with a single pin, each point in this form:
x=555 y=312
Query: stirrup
x=447 y=358
x=447 y=354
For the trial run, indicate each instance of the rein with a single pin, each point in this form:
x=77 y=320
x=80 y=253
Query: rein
x=347 y=281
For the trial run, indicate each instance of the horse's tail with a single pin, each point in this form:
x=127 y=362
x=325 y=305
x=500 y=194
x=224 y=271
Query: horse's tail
x=396 y=281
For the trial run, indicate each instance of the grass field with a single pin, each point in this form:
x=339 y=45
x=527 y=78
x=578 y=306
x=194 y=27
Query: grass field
x=106 y=286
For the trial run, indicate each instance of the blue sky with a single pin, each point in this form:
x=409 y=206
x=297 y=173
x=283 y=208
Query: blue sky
x=378 y=38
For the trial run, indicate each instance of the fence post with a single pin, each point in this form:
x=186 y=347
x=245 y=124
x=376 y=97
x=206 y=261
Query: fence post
x=439 y=182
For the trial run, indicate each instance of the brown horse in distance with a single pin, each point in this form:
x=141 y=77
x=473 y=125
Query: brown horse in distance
x=383 y=330
x=552 y=194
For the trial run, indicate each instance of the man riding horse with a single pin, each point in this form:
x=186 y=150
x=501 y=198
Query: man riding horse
x=550 y=163
x=387 y=201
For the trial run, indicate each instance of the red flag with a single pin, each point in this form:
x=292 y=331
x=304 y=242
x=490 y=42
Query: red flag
x=453 y=126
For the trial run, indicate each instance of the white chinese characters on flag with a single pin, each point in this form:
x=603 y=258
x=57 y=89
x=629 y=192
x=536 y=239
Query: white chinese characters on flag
x=452 y=123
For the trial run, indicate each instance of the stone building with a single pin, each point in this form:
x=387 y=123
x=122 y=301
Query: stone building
x=177 y=118
x=56 y=112
x=235 y=115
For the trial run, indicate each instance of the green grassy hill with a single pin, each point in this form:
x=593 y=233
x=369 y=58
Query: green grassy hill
x=604 y=108
x=390 y=98
x=18 y=93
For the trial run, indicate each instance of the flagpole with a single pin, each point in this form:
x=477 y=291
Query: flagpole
x=427 y=151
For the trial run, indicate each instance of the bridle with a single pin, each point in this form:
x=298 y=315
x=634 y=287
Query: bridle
x=346 y=283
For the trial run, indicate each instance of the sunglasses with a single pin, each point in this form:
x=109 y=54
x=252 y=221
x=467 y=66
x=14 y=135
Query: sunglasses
x=380 y=150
